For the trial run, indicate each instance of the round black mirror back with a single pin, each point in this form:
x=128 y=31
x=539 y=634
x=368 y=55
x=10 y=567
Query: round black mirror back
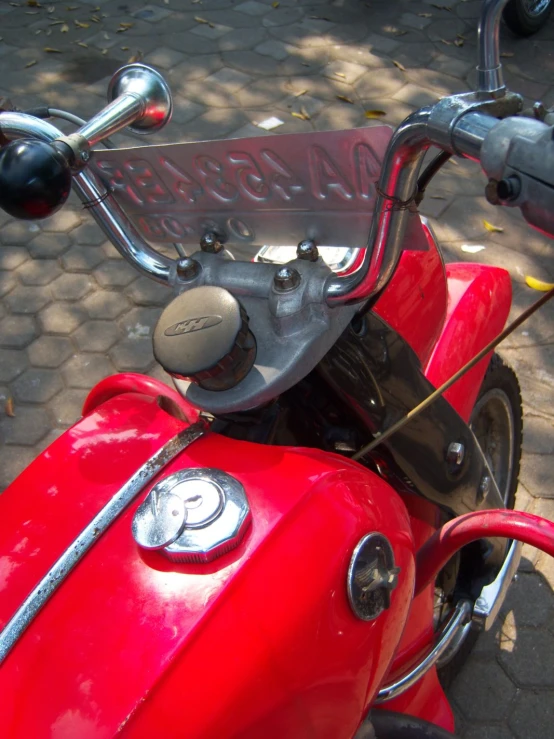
x=35 y=179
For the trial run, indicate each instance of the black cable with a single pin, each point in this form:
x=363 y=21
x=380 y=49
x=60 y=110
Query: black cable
x=430 y=171
x=43 y=111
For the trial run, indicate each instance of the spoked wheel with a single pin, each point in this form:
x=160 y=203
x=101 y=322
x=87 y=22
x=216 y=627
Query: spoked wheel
x=496 y=421
x=525 y=17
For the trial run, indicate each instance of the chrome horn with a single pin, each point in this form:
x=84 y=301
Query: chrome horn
x=139 y=98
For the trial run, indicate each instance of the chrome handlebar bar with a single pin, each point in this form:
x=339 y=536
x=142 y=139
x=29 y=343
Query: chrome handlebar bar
x=107 y=213
x=140 y=99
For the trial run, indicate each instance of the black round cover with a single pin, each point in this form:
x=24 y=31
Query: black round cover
x=203 y=336
x=35 y=179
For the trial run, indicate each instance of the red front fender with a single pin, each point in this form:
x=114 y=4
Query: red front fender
x=260 y=642
x=479 y=299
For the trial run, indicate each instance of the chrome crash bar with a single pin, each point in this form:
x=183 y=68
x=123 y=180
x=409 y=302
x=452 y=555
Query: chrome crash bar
x=459 y=624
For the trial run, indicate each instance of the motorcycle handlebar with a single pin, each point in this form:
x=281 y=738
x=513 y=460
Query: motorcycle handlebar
x=517 y=155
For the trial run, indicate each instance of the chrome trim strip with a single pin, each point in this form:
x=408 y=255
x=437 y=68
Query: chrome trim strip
x=81 y=545
x=456 y=624
x=492 y=596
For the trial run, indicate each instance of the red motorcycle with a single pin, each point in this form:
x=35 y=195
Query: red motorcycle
x=311 y=527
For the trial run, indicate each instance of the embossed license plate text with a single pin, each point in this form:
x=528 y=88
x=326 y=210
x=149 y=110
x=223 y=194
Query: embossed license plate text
x=267 y=190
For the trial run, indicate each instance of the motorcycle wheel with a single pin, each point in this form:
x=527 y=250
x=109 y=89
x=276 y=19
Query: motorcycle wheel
x=389 y=725
x=525 y=17
x=497 y=422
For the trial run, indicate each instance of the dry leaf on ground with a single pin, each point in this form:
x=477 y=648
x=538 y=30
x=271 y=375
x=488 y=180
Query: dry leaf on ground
x=344 y=99
x=203 y=20
x=538 y=284
x=302 y=114
x=492 y=228
x=374 y=114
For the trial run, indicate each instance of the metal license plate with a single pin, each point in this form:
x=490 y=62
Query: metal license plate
x=269 y=190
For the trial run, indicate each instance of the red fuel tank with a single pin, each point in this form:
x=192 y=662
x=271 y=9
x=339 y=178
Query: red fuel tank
x=260 y=642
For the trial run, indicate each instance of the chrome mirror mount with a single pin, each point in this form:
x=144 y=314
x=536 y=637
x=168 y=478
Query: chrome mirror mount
x=489 y=68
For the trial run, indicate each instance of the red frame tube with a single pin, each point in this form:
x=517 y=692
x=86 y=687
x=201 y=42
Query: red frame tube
x=525 y=527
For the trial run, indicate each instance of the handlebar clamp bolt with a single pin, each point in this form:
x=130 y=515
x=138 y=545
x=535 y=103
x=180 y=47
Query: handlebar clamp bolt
x=187 y=268
x=211 y=243
x=286 y=279
x=307 y=250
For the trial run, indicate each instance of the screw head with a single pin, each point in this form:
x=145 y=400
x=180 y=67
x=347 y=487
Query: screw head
x=286 y=279
x=187 y=268
x=211 y=243
x=539 y=111
x=455 y=455
x=307 y=250
x=85 y=156
x=484 y=488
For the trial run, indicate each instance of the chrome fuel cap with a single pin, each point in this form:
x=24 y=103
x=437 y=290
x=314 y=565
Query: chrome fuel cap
x=194 y=515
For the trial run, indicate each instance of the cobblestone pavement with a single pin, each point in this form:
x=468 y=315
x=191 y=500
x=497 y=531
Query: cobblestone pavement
x=72 y=311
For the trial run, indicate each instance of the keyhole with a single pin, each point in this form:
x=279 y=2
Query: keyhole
x=194 y=501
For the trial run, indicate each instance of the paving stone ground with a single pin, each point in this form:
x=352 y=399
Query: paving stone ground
x=72 y=312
